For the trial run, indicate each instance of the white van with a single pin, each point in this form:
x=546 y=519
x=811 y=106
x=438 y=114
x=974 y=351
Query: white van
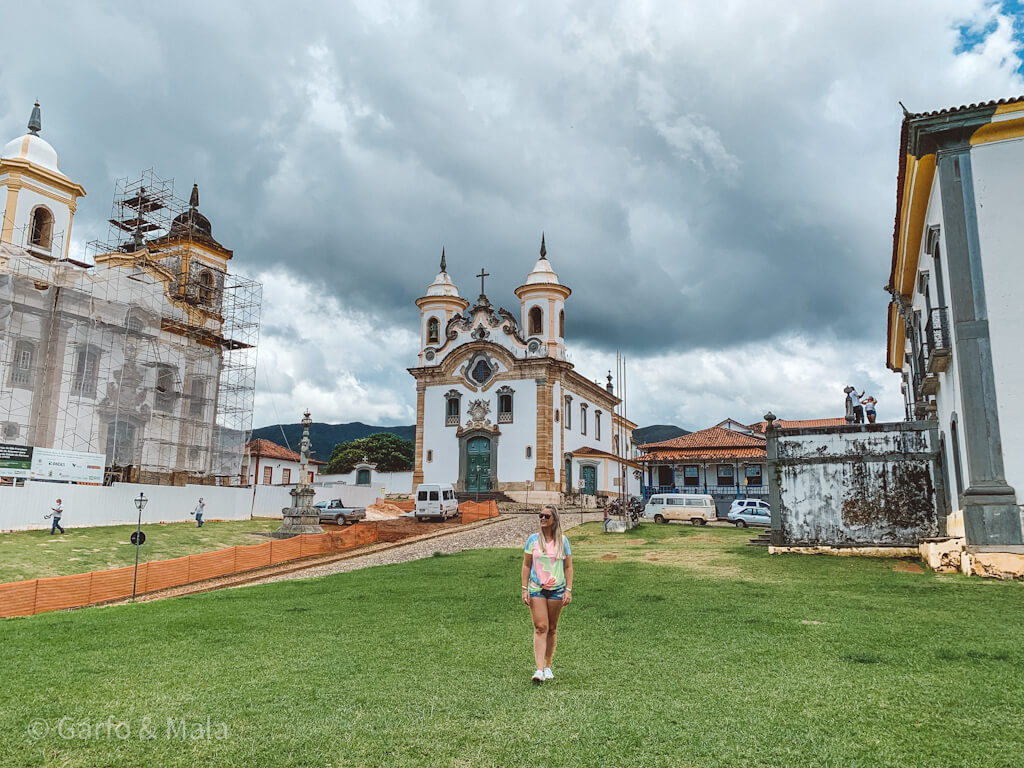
x=437 y=501
x=698 y=508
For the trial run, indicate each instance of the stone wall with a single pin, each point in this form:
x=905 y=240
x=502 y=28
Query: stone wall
x=870 y=485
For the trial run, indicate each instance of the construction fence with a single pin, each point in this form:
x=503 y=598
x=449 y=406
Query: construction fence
x=25 y=598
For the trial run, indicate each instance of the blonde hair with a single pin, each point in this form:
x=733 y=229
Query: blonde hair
x=556 y=532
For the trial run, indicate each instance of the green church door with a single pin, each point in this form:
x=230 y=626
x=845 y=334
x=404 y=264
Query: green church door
x=478 y=464
x=589 y=477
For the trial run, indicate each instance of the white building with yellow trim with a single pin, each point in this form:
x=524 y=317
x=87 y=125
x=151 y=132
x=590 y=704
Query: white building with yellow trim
x=956 y=318
x=500 y=408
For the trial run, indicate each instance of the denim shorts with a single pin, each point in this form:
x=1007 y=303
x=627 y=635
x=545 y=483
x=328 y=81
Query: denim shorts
x=548 y=594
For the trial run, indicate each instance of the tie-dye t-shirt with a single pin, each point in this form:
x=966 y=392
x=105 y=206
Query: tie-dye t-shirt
x=547 y=572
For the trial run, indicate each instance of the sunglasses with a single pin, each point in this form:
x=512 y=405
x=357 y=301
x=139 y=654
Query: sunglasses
x=544 y=517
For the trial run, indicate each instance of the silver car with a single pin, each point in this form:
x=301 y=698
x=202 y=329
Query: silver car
x=759 y=515
x=335 y=511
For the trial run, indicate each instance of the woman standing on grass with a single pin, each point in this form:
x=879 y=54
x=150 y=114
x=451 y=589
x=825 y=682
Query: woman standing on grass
x=547 y=586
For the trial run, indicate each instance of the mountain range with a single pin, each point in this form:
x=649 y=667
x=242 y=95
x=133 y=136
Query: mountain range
x=325 y=436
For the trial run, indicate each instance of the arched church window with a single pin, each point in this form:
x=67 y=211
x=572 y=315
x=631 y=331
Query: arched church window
x=433 y=331
x=453 y=402
x=206 y=287
x=536 y=321
x=505 y=405
x=597 y=425
x=568 y=411
x=165 y=389
x=41 y=232
x=583 y=418
x=87 y=363
x=561 y=323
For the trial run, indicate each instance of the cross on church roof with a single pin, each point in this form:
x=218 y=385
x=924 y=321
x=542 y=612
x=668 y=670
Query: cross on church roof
x=482 y=275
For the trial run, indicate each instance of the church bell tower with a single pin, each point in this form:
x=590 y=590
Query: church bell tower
x=441 y=303
x=542 y=306
x=38 y=200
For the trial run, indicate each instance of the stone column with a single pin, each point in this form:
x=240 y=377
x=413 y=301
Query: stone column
x=417 y=474
x=544 y=472
x=301 y=516
x=989 y=503
x=771 y=434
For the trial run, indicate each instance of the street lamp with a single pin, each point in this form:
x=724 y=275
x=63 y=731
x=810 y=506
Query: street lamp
x=137 y=538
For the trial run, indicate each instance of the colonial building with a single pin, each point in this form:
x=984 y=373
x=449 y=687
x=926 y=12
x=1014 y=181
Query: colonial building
x=267 y=463
x=143 y=353
x=498 y=405
x=727 y=460
x=956 y=314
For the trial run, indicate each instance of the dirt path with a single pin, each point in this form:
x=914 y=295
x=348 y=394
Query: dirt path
x=447 y=537
x=507 y=531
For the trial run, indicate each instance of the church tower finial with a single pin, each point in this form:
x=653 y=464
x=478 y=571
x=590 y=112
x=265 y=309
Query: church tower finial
x=193 y=200
x=543 y=248
x=35 y=121
x=444 y=267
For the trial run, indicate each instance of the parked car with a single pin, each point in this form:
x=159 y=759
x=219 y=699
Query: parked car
x=743 y=505
x=698 y=508
x=753 y=513
x=335 y=511
x=436 y=501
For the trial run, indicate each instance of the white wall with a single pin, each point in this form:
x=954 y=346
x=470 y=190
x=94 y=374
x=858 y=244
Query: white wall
x=947 y=399
x=381 y=483
x=998 y=169
x=22 y=508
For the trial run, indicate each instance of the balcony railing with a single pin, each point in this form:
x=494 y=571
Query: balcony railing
x=731 y=491
x=505 y=417
x=936 y=339
x=925 y=383
x=451 y=421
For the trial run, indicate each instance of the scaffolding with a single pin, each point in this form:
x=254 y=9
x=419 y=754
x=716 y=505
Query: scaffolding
x=145 y=352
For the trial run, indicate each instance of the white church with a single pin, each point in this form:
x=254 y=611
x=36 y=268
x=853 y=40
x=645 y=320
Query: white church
x=499 y=408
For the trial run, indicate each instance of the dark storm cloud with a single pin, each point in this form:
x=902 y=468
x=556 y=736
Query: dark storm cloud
x=706 y=177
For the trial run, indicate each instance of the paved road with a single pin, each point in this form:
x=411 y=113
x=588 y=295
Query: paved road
x=508 y=531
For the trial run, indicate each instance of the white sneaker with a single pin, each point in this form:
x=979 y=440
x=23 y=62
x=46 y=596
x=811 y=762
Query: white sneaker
x=538 y=676
x=548 y=674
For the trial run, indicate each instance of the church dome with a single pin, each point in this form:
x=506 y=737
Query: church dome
x=542 y=273
x=191 y=222
x=442 y=285
x=32 y=147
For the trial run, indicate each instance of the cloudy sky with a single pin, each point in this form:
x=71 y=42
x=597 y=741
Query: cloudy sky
x=716 y=180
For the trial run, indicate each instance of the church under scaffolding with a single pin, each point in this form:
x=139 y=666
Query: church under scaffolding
x=144 y=351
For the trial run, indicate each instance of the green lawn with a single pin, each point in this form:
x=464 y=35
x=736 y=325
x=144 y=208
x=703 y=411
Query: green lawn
x=683 y=648
x=35 y=554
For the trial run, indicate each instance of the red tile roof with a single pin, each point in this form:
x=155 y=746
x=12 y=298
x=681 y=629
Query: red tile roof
x=964 y=107
x=799 y=424
x=588 y=451
x=704 y=454
x=712 y=437
x=271 y=450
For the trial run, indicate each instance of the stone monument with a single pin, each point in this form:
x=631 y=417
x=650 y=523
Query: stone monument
x=301 y=516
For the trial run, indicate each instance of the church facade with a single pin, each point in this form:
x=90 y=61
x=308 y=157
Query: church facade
x=500 y=408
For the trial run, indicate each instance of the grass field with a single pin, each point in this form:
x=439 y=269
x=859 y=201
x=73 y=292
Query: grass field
x=35 y=554
x=682 y=648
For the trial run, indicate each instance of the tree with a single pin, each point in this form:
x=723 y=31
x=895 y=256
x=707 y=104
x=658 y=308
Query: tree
x=389 y=452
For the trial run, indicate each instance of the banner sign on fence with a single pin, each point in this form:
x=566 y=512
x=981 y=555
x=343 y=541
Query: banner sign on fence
x=15 y=460
x=67 y=466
